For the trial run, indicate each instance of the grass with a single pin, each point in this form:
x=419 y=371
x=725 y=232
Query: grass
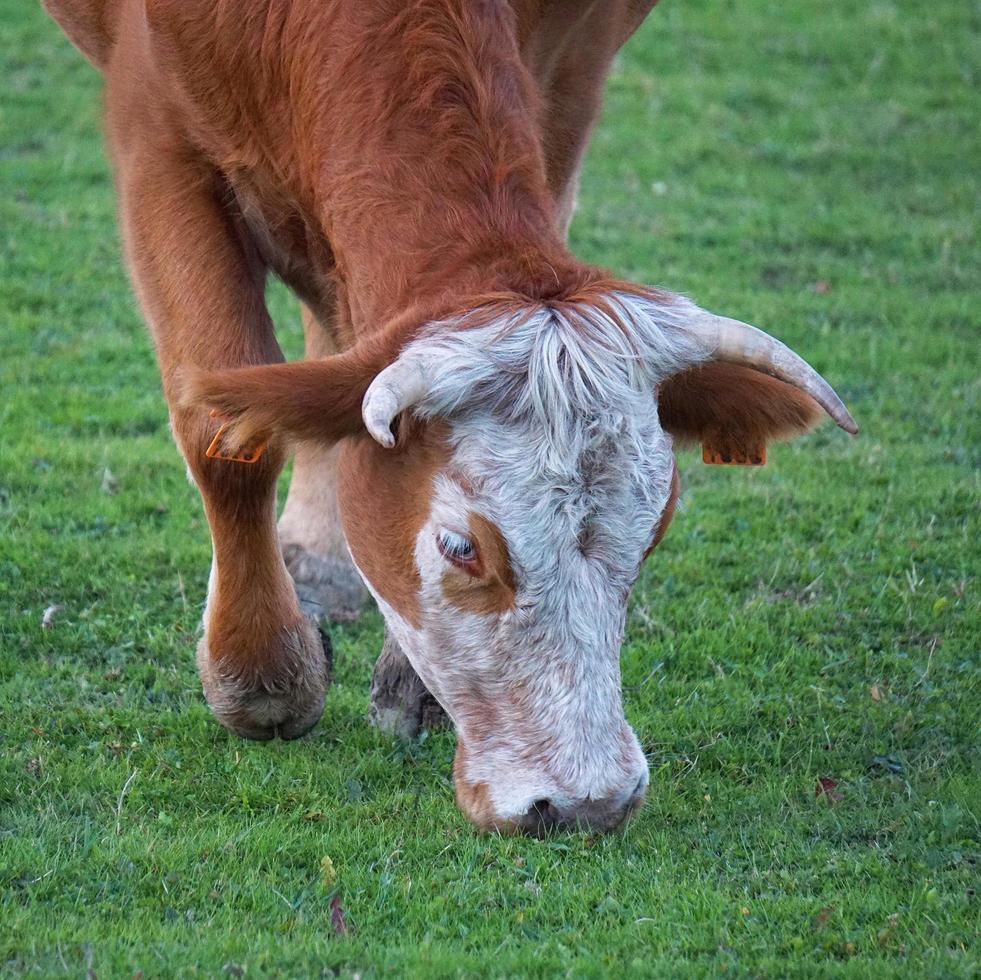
x=810 y=168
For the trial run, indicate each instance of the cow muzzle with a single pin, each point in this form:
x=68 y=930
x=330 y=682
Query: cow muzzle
x=586 y=815
x=551 y=810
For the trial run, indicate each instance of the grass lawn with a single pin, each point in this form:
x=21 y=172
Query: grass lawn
x=813 y=168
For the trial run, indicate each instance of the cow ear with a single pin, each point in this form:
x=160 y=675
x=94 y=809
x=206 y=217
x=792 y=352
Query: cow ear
x=316 y=401
x=733 y=411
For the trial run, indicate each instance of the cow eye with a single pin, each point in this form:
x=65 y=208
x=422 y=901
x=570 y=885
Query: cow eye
x=456 y=548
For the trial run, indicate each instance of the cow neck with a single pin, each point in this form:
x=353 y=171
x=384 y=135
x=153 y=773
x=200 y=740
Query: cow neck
x=434 y=187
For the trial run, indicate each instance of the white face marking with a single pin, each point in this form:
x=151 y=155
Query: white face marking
x=555 y=433
x=547 y=671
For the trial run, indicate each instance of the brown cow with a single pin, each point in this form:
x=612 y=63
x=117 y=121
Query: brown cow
x=487 y=418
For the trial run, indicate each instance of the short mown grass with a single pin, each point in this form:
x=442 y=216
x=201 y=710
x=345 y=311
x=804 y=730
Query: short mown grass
x=802 y=655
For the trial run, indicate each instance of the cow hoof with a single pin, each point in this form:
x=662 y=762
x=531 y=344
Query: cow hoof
x=401 y=704
x=326 y=586
x=284 y=700
x=408 y=721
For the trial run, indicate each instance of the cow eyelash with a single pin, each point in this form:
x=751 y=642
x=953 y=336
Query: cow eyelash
x=456 y=548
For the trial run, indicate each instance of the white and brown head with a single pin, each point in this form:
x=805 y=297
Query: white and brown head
x=501 y=486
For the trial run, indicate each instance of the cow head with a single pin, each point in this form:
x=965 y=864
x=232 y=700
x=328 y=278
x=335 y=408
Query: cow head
x=500 y=489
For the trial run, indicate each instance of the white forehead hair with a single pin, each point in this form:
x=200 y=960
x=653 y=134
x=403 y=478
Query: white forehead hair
x=553 y=420
x=573 y=370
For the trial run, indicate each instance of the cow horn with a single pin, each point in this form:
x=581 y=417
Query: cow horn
x=738 y=343
x=398 y=387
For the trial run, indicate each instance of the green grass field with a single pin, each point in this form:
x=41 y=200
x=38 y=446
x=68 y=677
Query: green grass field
x=811 y=168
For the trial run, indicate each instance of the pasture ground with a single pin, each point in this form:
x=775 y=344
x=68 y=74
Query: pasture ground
x=812 y=168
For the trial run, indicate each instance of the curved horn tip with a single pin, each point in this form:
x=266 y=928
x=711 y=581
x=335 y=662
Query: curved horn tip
x=741 y=343
x=835 y=407
x=378 y=410
x=380 y=432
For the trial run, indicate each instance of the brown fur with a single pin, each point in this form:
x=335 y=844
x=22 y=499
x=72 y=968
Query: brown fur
x=474 y=798
x=668 y=513
x=731 y=405
x=89 y=24
x=306 y=400
x=384 y=500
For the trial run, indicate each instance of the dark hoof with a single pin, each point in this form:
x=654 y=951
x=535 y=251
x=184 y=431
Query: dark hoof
x=401 y=704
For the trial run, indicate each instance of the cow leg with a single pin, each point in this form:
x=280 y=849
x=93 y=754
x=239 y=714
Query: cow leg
x=400 y=703
x=310 y=528
x=263 y=664
x=568 y=46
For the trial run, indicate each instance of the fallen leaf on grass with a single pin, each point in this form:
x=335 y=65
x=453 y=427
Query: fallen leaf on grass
x=827 y=787
x=888 y=762
x=822 y=917
x=47 y=617
x=110 y=484
x=883 y=936
x=875 y=693
x=327 y=873
x=337 y=920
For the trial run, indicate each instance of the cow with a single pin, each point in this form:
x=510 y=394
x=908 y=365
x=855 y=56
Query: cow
x=483 y=425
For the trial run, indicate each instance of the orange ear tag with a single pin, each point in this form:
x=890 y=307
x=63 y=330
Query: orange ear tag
x=249 y=455
x=734 y=455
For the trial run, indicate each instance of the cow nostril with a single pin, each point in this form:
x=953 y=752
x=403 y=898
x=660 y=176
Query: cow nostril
x=587 y=814
x=542 y=815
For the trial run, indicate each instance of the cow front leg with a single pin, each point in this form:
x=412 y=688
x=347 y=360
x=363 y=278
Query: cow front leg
x=264 y=665
x=200 y=283
x=400 y=703
x=316 y=553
